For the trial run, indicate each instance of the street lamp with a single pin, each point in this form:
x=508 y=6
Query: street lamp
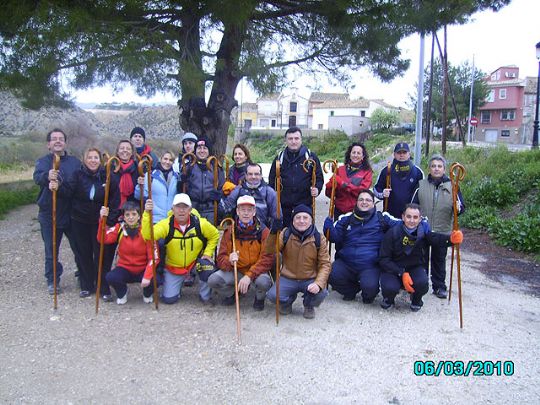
x=535 y=126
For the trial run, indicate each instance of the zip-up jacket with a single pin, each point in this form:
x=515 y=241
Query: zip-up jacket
x=163 y=193
x=346 y=191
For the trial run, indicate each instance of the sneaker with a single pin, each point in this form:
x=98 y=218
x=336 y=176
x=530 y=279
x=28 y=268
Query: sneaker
x=84 y=294
x=189 y=280
x=228 y=301
x=50 y=289
x=349 y=297
x=440 y=293
x=309 y=312
x=120 y=300
x=209 y=302
x=368 y=300
x=148 y=300
x=109 y=297
x=386 y=303
x=258 y=305
x=416 y=306
x=285 y=309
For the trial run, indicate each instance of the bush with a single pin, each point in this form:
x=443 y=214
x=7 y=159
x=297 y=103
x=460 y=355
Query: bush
x=13 y=196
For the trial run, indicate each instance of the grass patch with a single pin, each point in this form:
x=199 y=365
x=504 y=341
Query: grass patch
x=13 y=195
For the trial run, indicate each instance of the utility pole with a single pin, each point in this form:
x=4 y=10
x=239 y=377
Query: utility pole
x=469 y=127
x=419 y=106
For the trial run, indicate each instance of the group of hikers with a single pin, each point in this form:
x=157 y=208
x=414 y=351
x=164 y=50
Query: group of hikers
x=168 y=219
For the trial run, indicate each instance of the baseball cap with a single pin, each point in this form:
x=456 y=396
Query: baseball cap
x=245 y=199
x=181 y=199
x=402 y=146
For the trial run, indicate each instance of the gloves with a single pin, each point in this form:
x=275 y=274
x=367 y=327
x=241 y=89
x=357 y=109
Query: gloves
x=328 y=224
x=205 y=268
x=407 y=282
x=456 y=237
x=356 y=181
x=277 y=225
x=228 y=187
x=215 y=195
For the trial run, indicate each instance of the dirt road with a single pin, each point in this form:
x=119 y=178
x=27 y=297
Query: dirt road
x=187 y=353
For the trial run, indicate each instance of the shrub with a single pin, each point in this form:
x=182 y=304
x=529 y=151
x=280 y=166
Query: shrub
x=13 y=197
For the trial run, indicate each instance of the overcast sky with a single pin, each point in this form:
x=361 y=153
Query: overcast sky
x=507 y=37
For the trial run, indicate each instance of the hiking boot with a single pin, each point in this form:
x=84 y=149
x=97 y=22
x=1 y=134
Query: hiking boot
x=258 y=305
x=148 y=300
x=189 y=280
x=440 y=293
x=84 y=294
x=109 y=297
x=309 y=312
x=416 y=306
x=368 y=300
x=386 y=303
x=285 y=308
x=228 y=301
x=50 y=289
x=209 y=302
x=349 y=297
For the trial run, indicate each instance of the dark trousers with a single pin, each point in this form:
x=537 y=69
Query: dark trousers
x=391 y=284
x=438 y=267
x=45 y=223
x=85 y=236
x=119 y=277
x=350 y=281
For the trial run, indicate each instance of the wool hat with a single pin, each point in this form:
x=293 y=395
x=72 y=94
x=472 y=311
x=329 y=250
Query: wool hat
x=302 y=208
x=245 y=200
x=203 y=142
x=181 y=199
x=189 y=136
x=137 y=130
x=402 y=146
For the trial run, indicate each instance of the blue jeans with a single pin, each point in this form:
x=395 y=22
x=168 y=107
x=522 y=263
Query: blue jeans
x=172 y=288
x=391 y=284
x=289 y=289
x=350 y=281
x=120 y=277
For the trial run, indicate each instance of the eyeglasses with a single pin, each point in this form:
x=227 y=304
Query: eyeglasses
x=365 y=200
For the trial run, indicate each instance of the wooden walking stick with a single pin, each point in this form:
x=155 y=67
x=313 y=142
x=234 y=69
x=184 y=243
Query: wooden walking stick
x=235 y=266
x=226 y=160
x=55 y=166
x=305 y=165
x=215 y=166
x=333 y=168
x=140 y=168
x=388 y=184
x=103 y=223
x=147 y=161
x=457 y=174
x=191 y=159
x=278 y=215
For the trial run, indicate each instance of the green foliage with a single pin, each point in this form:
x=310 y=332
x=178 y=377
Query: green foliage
x=17 y=195
x=383 y=120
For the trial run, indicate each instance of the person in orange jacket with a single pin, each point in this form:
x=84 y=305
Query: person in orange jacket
x=134 y=254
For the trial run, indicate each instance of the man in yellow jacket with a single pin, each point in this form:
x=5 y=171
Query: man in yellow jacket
x=188 y=238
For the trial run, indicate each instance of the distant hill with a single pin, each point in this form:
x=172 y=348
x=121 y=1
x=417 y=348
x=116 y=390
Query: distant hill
x=15 y=120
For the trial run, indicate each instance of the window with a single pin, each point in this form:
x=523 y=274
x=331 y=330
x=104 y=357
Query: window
x=362 y=113
x=485 y=117
x=502 y=94
x=293 y=106
x=491 y=96
x=320 y=126
x=248 y=123
x=331 y=113
x=505 y=132
x=292 y=121
x=273 y=125
x=508 y=115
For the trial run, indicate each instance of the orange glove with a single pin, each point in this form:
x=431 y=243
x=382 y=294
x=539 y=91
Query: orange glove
x=228 y=187
x=407 y=282
x=456 y=237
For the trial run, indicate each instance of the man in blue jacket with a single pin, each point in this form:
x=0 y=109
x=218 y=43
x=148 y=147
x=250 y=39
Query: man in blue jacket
x=48 y=179
x=358 y=236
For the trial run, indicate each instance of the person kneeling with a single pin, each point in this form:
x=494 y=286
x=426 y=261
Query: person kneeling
x=402 y=257
x=306 y=262
x=250 y=257
x=134 y=254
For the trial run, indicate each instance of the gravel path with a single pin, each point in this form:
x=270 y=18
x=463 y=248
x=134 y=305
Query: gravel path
x=187 y=353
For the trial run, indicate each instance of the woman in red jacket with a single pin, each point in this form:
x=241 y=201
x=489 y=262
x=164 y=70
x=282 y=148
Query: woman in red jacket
x=356 y=174
x=134 y=254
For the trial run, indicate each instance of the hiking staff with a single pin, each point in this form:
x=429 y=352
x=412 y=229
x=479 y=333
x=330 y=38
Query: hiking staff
x=278 y=215
x=305 y=165
x=236 y=295
x=215 y=168
x=457 y=174
x=333 y=168
x=388 y=185
x=140 y=168
x=111 y=160
x=147 y=161
x=55 y=166
x=225 y=158
x=191 y=158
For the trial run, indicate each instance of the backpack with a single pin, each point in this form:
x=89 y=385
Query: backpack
x=195 y=223
x=316 y=234
x=307 y=155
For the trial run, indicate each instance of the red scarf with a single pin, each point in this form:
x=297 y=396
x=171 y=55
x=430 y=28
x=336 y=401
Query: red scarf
x=126 y=181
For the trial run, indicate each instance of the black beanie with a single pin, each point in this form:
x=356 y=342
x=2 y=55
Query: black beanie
x=302 y=208
x=204 y=142
x=137 y=130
